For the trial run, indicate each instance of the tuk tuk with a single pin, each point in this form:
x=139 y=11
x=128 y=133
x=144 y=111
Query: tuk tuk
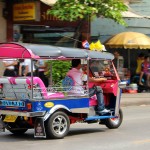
x=26 y=103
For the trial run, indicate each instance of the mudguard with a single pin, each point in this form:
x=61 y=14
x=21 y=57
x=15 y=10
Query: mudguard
x=55 y=108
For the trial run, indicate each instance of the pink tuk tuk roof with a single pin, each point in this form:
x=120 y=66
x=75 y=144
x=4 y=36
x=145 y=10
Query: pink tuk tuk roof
x=35 y=51
x=14 y=50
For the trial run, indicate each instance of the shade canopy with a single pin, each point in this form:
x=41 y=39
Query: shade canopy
x=35 y=51
x=49 y=2
x=129 y=40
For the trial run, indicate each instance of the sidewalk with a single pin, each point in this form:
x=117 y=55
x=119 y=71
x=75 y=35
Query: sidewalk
x=135 y=99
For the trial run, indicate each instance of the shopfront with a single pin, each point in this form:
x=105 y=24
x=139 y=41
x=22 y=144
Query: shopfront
x=2 y=30
x=30 y=23
x=2 y=22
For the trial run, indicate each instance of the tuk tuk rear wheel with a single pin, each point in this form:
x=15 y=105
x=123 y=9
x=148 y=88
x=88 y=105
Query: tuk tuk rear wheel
x=113 y=123
x=57 y=126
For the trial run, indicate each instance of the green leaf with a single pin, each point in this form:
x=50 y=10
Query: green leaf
x=75 y=9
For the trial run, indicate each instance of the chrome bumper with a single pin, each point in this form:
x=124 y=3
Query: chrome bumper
x=26 y=114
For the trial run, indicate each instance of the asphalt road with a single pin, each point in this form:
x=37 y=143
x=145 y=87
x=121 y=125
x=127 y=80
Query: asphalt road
x=133 y=134
x=135 y=99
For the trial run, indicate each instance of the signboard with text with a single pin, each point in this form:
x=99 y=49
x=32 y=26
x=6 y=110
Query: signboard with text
x=25 y=11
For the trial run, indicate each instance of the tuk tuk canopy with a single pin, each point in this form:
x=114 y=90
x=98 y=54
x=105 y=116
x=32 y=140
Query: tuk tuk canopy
x=35 y=51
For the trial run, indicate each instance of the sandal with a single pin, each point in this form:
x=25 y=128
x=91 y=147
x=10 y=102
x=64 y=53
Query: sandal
x=141 y=84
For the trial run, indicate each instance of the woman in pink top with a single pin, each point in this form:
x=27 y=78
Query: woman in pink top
x=145 y=70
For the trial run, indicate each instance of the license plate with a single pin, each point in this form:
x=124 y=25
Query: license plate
x=10 y=118
x=10 y=103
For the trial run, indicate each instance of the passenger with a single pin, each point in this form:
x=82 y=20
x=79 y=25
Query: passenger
x=42 y=68
x=139 y=60
x=145 y=70
x=10 y=67
x=76 y=74
x=27 y=64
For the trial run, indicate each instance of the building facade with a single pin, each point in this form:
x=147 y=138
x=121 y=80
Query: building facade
x=104 y=29
x=2 y=23
x=29 y=22
x=2 y=30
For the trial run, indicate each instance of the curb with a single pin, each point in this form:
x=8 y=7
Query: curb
x=135 y=99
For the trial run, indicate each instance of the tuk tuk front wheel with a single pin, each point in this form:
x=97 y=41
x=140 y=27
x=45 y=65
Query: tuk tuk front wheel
x=113 y=123
x=57 y=126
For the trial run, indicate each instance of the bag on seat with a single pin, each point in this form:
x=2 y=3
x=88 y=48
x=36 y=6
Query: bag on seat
x=67 y=83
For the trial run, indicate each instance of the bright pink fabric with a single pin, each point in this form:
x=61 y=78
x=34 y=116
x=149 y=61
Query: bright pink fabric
x=46 y=95
x=39 y=82
x=109 y=86
x=93 y=101
x=145 y=67
x=13 y=50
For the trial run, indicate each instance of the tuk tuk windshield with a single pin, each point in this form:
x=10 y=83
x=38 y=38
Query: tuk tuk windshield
x=102 y=68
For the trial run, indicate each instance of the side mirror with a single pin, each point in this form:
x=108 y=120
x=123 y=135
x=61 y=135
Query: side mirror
x=123 y=84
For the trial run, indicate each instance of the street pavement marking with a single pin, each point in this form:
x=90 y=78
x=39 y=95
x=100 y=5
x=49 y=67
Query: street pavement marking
x=142 y=141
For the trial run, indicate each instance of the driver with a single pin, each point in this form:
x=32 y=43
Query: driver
x=76 y=75
x=99 y=93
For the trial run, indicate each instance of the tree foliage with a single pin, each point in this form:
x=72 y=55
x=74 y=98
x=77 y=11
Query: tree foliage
x=59 y=70
x=72 y=10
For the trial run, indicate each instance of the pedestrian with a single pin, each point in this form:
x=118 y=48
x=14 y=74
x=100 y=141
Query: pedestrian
x=145 y=70
x=16 y=36
x=42 y=69
x=28 y=67
x=21 y=67
x=140 y=60
x=115 y=61
x=10 y=67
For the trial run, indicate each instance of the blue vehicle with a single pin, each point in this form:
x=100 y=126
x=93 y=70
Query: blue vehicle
x=26 y=103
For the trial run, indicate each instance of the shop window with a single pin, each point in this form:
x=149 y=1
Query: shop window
x=47 y=35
